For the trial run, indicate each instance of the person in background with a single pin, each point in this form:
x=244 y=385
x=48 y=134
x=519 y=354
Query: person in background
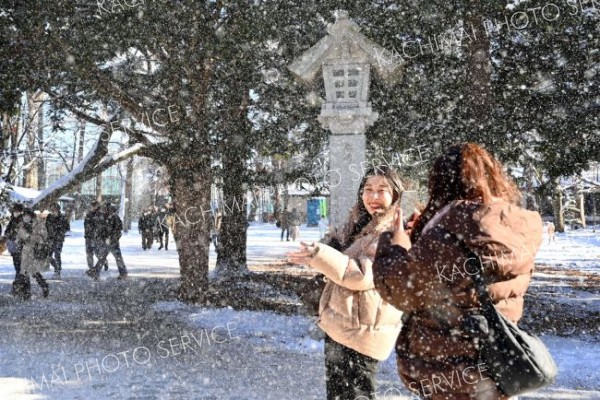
x=284 y=224
x=146 y=229
x=323 y=226
x=109 y=234
x=91 y=223
x=155 y=223
x=31 y=233
x=69 y=211
x=13 y=246
x=171 y=217
x=294 y=222
x=163 y=228
x=551 y=231
x=361 y=327
x=57 y=226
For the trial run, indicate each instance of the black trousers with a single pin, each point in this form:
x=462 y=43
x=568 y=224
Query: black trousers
x=17 y=263
x=165 y=234
x=115 y=250
x=55 y=253
x=147 y=239
x=349 y=374
x=92 y=248
x=287 y=231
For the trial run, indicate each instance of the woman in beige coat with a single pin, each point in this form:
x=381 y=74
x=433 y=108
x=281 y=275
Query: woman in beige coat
x=35 y=258
x=361 y=328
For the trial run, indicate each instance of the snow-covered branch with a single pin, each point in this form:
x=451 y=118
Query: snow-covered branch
x=93 y=164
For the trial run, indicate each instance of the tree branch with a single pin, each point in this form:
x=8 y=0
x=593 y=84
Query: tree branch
x=85 y=170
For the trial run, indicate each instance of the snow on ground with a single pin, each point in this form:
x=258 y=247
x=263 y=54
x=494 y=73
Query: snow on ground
x=578 y=249
x=74 y=345
x=577 y=358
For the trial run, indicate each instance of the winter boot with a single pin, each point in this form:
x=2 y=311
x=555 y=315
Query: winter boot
x=43 y=284
x=92 y=273
x=21 y=287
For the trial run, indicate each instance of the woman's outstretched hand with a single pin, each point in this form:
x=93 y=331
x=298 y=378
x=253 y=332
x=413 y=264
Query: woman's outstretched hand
x=304 y=255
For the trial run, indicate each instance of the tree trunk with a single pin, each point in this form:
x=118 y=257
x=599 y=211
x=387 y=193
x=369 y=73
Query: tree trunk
x=31 y=156
x=98 y=188
x=277 y=202
x=581 y=205
x=40 y=162
x=531 y=202
x=231 y=251
x=557 y=206
x=594 y=211
x=128 y=195
x=78 y=200
x=253 y=206
x=11 y=175
x=190 y=181
x=5 y=136
x=479 y=70
x=236 y=150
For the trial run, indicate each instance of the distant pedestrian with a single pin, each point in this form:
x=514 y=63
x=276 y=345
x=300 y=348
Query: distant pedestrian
x=91 y=223
x=163 y=228
x=156 y=227
x=283 y=224
x=551 y=231
x=294 y=222
x=323 y=226
x=109 y=233
x=57 y=225
x=171 y=218
x=32 y=234
x=146 y=229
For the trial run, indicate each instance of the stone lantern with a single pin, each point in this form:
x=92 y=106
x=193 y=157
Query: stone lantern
x=345 y=57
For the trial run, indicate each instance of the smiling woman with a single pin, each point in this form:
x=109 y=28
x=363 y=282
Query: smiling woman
x=377 y=194
x=361 y=327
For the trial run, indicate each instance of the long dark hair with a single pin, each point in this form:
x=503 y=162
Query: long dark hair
x=359 y=216
x=465 y=172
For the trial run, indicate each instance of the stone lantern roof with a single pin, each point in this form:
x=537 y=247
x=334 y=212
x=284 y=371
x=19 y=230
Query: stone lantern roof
x=344 y=42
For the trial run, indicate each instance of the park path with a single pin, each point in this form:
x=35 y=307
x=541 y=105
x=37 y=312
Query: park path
x=105 y=340
x=131 y=340
x=53 y=348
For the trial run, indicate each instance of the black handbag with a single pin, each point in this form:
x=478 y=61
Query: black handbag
x=518 y=361
x=41 y=251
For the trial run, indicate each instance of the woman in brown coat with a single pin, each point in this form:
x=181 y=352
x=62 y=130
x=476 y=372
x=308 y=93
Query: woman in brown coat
x=472 y=211
x=361 y=327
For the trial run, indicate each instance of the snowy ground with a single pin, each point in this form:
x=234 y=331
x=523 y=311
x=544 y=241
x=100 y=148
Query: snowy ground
x=574 y=249
x=131 y=340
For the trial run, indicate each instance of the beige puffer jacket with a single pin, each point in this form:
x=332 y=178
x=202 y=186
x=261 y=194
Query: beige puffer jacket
x=29 y=263
x=351 y=311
